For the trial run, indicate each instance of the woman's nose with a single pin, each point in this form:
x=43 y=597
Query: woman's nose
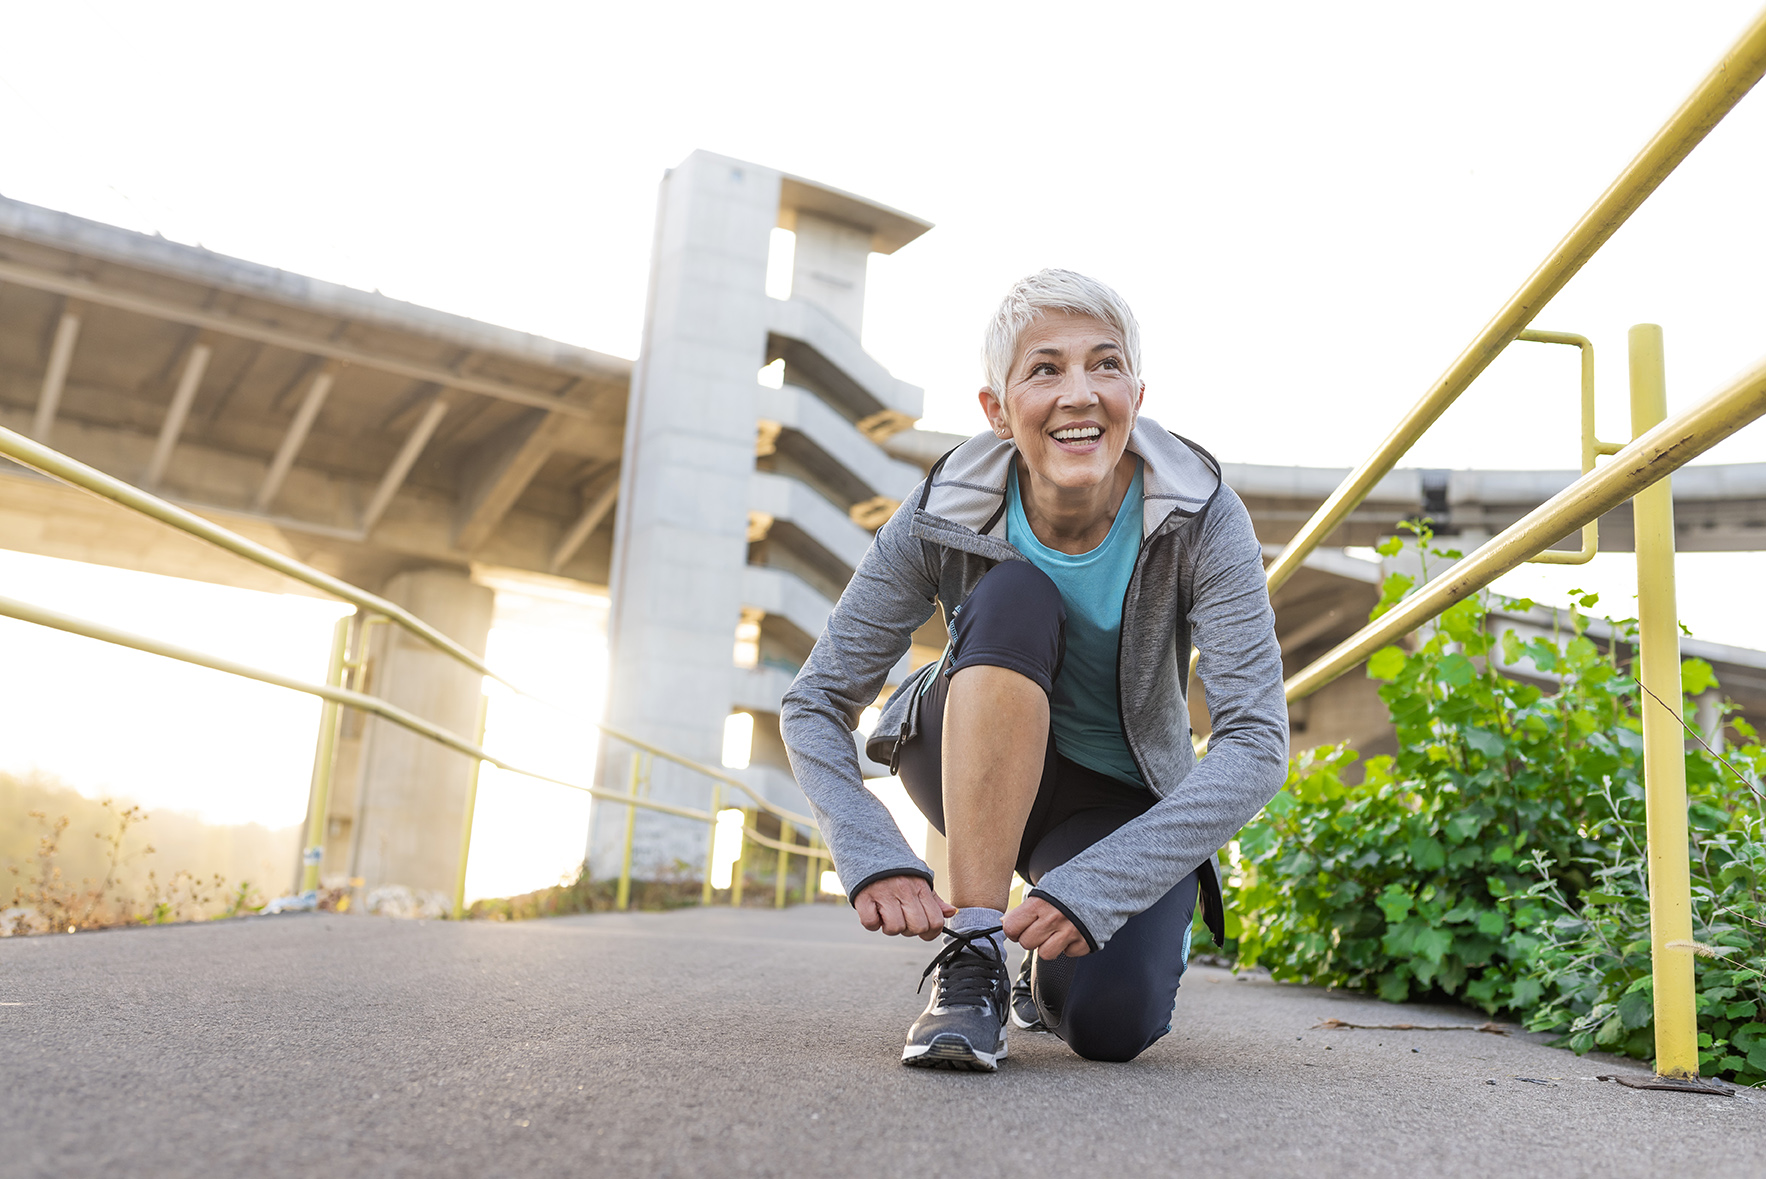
x=1077 y=389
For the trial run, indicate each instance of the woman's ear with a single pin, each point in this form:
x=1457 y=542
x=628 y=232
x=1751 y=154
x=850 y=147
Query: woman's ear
x=995 y=410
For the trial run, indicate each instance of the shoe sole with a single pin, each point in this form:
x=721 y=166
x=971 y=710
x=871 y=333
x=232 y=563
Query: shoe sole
x=951 y=1051
x=1035 y=1025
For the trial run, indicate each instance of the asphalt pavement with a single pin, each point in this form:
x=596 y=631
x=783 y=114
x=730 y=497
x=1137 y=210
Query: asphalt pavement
x=717 y=1042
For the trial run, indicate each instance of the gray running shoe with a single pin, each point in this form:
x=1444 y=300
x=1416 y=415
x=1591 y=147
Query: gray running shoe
x=1024 y=1012
x=964 y=1024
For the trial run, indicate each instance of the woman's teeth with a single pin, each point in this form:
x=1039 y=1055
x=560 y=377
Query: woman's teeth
x=1079 y=434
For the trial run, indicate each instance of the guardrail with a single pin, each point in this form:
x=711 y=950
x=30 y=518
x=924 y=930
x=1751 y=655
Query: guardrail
x=1639 y=471
x=1724 y=86
x=336 y=694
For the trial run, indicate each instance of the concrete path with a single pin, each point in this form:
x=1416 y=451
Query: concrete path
x=711 y=1043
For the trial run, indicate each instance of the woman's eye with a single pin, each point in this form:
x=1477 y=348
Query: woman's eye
x=1111 y=362
x=1045 y=369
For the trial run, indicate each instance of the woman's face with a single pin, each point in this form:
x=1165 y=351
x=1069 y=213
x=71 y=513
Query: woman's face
x=1070 y=401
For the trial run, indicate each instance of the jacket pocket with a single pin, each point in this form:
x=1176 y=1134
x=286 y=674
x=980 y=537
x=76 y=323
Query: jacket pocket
x=900 y=722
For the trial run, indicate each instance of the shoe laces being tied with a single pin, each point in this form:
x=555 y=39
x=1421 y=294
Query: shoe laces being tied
x=969 y=969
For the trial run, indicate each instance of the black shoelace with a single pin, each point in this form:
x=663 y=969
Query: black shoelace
x=969 y=969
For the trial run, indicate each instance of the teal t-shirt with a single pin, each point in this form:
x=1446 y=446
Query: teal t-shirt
x=1083 y=710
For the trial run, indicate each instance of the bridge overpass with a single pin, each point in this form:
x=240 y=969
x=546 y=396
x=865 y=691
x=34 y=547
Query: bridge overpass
x=720 y=488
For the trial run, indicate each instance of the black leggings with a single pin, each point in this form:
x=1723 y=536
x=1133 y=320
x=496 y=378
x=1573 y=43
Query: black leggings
x=1112 y=1003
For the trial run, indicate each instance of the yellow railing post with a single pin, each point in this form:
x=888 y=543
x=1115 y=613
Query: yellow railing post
x=1591 y=445
x=624 y=897
x=717 y=801
x=484 y=703
x=787 y=836
x=1664 y=748
x=812 y=870
x=324 y=759
x=737 y=868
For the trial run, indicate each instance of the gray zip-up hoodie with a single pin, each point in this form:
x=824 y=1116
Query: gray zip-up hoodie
x=1198 y=578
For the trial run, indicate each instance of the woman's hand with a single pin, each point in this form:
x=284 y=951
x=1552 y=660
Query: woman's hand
x=904 y=906
x=1039 y=926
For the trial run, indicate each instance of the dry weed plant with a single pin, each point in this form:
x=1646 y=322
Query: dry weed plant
x=44 y=901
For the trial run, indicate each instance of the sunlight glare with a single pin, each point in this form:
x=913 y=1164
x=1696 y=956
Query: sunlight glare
x=726 y=847
x=738 y=740
x=781 y=256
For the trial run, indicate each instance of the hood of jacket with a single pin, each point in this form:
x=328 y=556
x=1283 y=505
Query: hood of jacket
x=967 y=487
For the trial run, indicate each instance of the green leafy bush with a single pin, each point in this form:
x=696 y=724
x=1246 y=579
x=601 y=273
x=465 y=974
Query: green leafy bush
x=1594 y=958
x=1497 y=858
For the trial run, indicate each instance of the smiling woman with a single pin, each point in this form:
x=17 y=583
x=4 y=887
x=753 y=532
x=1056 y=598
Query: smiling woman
x=1078 y=550
x=1069 y=405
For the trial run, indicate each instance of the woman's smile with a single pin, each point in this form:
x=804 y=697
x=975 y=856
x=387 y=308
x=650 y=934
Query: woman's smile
x=1069 y=406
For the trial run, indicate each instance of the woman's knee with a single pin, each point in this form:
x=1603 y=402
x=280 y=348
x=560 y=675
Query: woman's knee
x=1013 y=619
x=1119 y=1002
x=1021 y=587
x=1107 y=1032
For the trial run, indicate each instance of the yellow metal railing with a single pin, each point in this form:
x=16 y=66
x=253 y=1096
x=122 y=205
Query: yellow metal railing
x=1639 y=471
x=1647 y=459
x=30 y=453
x=1591 y=445
x=346 y=697
x=1729 y=80
x=343 y=666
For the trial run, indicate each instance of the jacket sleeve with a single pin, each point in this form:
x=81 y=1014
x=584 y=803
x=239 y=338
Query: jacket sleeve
x=870 y=629
x=1232 y=623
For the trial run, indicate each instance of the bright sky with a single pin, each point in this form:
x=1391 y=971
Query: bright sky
x=1312 y=208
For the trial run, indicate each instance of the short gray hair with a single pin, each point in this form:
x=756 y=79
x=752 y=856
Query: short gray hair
x=1053 y=290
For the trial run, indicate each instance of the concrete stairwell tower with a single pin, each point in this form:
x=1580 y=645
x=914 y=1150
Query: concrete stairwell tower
x=740 y=506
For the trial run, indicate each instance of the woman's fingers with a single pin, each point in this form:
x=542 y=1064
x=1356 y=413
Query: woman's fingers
x=1065 y=940
x=1044 y=930
x=1031 y=922
x=894 y=922
x=866 y=908
x=1039 y=926
x=932 y=914
x=903 y=905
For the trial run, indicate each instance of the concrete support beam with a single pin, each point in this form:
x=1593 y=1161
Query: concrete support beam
x=304 y=417
x=195 y=365
x=827 y=356
x=598 y=500
x=1332 y=619
x=61 y=355
x=773 y=591
x=496 y=473
x=681 y=536
x=404 y=818
x=787 y=499
x=800 y=410
x=760 y=689
x=227 y=325
x=403 y=462
x=828 y=268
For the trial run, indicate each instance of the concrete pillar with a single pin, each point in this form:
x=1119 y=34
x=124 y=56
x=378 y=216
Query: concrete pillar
x=681 y=533
x=412 y=792
x=828 y=268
